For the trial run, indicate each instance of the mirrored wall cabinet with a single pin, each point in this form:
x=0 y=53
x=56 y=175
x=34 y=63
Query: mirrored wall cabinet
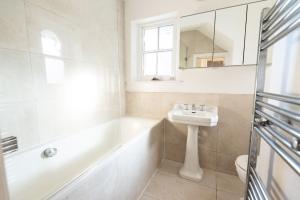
x=221 y=38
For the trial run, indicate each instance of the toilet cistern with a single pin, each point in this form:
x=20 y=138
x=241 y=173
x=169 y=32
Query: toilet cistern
x=194 y=116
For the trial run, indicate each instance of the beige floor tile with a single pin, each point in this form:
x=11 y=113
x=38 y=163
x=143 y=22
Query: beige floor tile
x=145 y=197
x=194 y=191
x=229 y=183
x=168 y=185
x=172 y=167
x=209 y=178
x=165 y=186
x=221 y=195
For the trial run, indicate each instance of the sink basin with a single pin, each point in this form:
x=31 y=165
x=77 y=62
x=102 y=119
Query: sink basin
x=200 y=115
x=194 y=116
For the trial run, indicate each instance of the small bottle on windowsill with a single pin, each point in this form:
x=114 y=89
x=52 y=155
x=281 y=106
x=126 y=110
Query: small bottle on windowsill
x=155 y=79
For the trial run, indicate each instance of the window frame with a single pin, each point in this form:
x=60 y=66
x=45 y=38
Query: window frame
x=142 y=51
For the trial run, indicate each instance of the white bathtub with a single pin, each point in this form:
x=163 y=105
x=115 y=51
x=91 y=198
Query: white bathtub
x=131 y=145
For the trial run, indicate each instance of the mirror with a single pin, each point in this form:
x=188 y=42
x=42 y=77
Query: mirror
x=229 y=36
x=252 y=31
x=196 y=40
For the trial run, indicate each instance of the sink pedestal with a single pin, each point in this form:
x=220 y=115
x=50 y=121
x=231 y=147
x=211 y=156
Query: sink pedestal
x=206 y=116
x=191 y=169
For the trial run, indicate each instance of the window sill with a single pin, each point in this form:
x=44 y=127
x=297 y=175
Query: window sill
x=158 y=81
x=156 y=78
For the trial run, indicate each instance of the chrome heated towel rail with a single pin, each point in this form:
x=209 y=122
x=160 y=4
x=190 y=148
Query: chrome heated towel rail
x=272 y=123
x=9 y=144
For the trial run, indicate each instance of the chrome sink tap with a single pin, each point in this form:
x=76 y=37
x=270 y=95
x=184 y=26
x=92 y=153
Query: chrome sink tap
x=193 y=108
x=202 y=107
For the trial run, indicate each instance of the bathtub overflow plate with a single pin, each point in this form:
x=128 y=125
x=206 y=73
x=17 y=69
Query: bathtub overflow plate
x=49 y=152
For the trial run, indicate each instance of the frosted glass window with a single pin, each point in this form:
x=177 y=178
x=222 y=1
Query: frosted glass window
x=158 y=44
x=150 y=62
x=166 y=37
x=151 y=39
x=164 y=63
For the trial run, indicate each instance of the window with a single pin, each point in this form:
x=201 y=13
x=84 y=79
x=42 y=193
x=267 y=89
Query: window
x=157 y=52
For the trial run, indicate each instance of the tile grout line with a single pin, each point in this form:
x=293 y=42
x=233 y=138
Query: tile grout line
x=29 y=55
x=28 y=49
x=53 y=12
x=29 y=52
x=147 y=184
x=169 y=172
x=216 y=185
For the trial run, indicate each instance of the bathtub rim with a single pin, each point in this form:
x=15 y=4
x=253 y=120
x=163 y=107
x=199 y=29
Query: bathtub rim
x=103 y=159
x=66 y=136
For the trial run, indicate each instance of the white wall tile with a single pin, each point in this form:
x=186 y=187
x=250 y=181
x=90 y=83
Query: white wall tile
x=81 y=12
x=15 y=76
x=20 y=120
x=13 y=33
x=85 y=34
x=87 y=95
x=72 y=80
x=40 y=20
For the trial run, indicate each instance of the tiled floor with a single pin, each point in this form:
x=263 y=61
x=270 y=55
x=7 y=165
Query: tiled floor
x=166 y=184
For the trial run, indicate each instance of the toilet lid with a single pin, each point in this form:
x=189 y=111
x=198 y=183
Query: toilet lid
x=242 y=162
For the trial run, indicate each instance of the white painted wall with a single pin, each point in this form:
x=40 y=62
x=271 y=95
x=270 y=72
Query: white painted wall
x=234 y=80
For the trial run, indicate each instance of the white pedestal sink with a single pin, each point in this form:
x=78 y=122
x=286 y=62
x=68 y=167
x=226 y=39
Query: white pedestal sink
x=194 y=116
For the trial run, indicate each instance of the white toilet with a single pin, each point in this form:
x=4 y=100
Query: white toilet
x=241 y=164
